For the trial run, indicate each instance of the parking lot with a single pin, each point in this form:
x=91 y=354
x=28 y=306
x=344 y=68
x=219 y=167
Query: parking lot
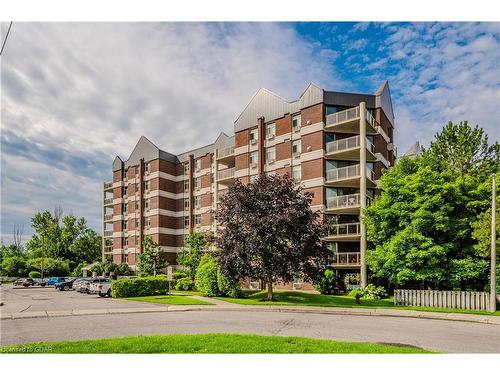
x=19 y=299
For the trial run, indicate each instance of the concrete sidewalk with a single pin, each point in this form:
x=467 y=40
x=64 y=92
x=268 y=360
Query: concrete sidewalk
x=227 y=306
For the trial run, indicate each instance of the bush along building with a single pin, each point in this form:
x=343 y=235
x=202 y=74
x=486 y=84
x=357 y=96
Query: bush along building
x=334 y=144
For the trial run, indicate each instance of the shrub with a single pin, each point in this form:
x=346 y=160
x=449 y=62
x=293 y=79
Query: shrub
x=34 y=275
x=184 y=283
x=140 y=286
x=374 y=292
x=123 y=269
x=179 y=274
x=14 y=266
x=206 y=276
x=327 y=283
x=227 y=287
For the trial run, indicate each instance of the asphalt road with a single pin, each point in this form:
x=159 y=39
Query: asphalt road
x=437 y=335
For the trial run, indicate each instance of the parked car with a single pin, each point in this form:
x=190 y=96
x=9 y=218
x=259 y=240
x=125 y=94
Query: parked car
x=104 y=288
x=26 y=282
x=83 y=285
x=55 y=280
x=94 y=285
x=65 y=285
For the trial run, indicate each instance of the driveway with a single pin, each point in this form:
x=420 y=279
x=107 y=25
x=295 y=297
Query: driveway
x=16 y=300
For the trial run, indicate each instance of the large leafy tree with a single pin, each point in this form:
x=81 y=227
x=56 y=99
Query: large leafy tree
x=269 y=232
x=151 y=261
x=421 y=227
x=64 y=237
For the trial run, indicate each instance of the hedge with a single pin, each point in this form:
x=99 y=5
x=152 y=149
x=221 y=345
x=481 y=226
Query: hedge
x=206 y=276
x=140 y=286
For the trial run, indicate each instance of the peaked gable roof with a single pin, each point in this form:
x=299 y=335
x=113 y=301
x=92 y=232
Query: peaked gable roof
x=384 y=101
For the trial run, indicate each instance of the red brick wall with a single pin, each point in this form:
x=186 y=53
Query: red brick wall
x=314 y=114
x=283 y=125
x=313 y=140
x=284 y=150
x=312 y=169
x=242 y=138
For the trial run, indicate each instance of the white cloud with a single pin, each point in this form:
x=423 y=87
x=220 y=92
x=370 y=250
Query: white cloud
x=75 y=95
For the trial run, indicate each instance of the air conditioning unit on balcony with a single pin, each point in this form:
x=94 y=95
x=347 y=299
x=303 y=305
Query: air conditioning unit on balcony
x=390 y=146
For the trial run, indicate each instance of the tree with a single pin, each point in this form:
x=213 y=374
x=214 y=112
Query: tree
x=464 y=150
x=14 y=266
x=420 y=229
x=269 y=232
x=190 y=257
x=51 y=266
x=64 y=237
x=151 y=260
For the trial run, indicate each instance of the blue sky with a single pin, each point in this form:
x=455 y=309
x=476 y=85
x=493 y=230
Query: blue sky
x=75 y=95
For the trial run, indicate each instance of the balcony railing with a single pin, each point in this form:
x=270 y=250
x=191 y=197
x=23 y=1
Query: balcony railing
x=348 y=143
x=108 y=233
x=346 y=201
x=225 y=173
x=382 y=132
x=344 y=230
x=342 y=116
x=108 y=185
x=343 y=173
x=225 y=152
x=108 y=201
x=108 y=217
x=347 y=259
x=108 y=249
x=370 y=119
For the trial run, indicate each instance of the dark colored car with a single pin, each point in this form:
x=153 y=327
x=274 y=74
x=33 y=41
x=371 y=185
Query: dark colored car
x=65 y=285
x=24 y=282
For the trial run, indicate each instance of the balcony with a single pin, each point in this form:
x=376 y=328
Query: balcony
x=347 y=260
x=108 y=249
x=225 y=176
x=347 y=204
x=108 y=186
x=108 y=233
x=225 y=154
x=348 y=177
x=108 y=201
x=108 y=217
x=347 y=121
x=348 y=149
x=349 y=232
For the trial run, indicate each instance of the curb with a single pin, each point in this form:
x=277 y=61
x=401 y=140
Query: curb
x=484 y=319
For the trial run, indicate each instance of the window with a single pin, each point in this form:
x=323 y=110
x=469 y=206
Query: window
x=197 y=183
x=197 y=164
x=136 y=223
x=147 y=167
x=197 y=201
x=186 y=168
x=296 y=173
x=147 y=222
x=126 y=174
x=186 y=221
x=137 y=205
x=125 y=258
x=186 y=204
x=270 y=155
x=296 y=123
x=125 y=207
x=125 y=225
x=125 y=242
x=125 y=191
x=136 y=187
x=270 y=130
x=147 y=203
x=186 y=186
x=254 y=157
x=254 y=136
x=197 y=219
x=296 y=147
x=147 y=185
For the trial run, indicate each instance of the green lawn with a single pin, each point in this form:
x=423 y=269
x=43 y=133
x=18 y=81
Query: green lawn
x=217 y=343
x=312 y=299
x=168 y=300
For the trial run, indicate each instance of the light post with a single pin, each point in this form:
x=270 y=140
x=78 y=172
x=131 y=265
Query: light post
x=493 y=278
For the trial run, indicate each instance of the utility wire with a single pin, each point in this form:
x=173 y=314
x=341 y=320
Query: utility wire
x=6 y=36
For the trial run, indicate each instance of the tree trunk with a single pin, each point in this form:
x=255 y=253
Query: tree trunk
x=270 y=288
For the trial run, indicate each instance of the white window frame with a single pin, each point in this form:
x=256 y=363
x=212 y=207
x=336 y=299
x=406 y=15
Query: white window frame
x=197 y=219
x=186 y=204
x=147 y=185
x=186 y=168
x=254 y=136
x=147 y=203
x=197 y=183
x=186 y=221
x=298 y=145
x=254 y=155
x=125 y=208
x=147 y=167
x=197 y=201
x=269 y=160
x=294 y=169
x=186 y=186
x=197 y=165
x=271 y=130
x=125 y=225
x=298 y=123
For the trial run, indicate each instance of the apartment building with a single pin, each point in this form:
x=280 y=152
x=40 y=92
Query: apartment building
x=334 y=144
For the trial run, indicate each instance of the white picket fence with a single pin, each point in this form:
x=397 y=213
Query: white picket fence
x=439 y=298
